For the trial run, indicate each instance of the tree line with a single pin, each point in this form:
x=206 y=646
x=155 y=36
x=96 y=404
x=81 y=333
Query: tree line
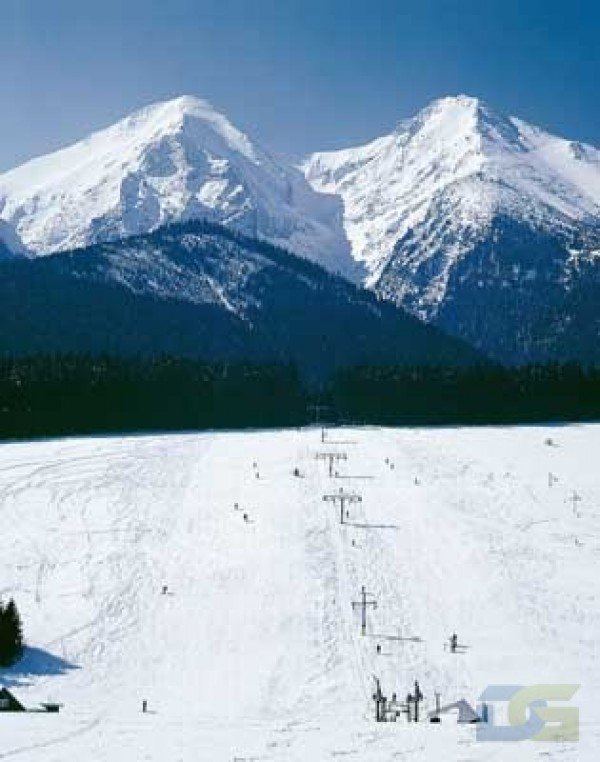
x=468 y=396
x=55 y=395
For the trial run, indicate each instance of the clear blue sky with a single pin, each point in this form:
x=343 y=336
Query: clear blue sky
x=299 y=74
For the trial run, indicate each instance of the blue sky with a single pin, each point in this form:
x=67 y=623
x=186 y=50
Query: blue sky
x=301 y=75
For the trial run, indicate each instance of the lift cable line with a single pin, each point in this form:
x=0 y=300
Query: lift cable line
x=362 y=604
x=343 y=498
x=331 y=457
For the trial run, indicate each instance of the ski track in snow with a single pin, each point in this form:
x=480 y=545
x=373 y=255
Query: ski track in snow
x=255 y=653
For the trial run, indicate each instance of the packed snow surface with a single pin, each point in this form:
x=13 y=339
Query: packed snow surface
x=254 y=652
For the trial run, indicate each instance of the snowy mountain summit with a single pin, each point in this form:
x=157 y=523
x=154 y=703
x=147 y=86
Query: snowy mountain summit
x=478 y=222
x=171 y=161
x=445 y=174
x=471 y=219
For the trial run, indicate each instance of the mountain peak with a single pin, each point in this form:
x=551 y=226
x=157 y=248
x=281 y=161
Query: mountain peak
x=175 y=160
x=461 y=162
x=466 y=102
x=450 y=106
x=459 y=113
x=465 y=114
x=173 y=111
x=184 y=113
x=189 y=104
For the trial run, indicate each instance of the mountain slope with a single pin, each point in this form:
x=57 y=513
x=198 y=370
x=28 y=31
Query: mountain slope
x=432 y=211
x=255 y=651
x=10 y=245
x=479 y=223
x=172 y=161
x=200 y=290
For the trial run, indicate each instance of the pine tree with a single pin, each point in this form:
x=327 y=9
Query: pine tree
x=11 y=634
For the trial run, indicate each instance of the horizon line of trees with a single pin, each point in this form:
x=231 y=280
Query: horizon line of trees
x=55 y=395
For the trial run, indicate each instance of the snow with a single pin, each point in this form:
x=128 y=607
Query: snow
x=461 y=163
x=440 y=178
x=255 y=652
x=171 y=161
x=10 y=245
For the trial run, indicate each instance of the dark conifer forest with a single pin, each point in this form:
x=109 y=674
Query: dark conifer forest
x=43 y=396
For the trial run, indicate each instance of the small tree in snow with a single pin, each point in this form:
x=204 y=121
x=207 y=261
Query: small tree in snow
x=11 y=634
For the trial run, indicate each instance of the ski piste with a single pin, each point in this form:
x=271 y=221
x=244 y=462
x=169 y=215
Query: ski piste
x=139 y=581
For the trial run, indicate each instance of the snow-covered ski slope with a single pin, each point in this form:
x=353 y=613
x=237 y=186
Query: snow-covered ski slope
x=255 y=652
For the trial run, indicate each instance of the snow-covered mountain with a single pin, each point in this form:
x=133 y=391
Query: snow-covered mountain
x=171 y=161
x=461 y=199
x=481 y=223
x=454 y=167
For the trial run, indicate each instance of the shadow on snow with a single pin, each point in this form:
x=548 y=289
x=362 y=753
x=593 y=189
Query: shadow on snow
x=35 y=662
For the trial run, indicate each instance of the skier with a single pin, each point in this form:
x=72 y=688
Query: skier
x=144 y=706
x=164 y=589
x=409 y=700
x=392 y=710
x=378 y=648
x=417 y=697
x=246 y=518
x=453 y=643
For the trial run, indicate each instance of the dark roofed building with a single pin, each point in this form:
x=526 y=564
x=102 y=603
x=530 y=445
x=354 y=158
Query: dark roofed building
x=8 y=703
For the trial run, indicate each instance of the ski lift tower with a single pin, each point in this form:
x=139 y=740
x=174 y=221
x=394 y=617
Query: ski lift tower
x=342 y=498
x=362 y=604
x=331 y=457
